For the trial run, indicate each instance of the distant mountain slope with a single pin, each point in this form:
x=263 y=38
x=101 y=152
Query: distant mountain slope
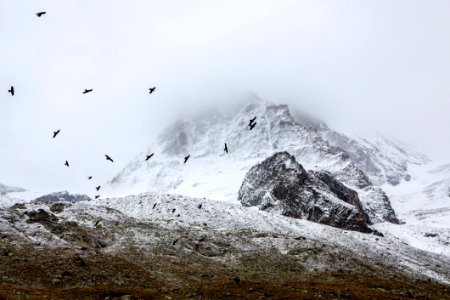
x=4 y=189
x=214 y=174
x=423 y=205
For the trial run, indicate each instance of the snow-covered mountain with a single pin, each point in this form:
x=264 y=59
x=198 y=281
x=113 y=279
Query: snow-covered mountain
x=423 y=207
x=361 y=164
x=263 y=208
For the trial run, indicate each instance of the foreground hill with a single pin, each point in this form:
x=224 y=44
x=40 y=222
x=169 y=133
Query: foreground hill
x=153 y=245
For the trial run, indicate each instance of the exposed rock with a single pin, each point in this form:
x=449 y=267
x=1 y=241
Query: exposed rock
x=379 y=209
x=19 y=206
x=61 y=197
x=67 y=230
x=281 y=183
x=341 y=191
x=41 y=216
x=57 y=207
x=99 y=243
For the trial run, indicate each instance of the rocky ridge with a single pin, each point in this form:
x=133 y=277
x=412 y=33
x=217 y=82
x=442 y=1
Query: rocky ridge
x=280 y=183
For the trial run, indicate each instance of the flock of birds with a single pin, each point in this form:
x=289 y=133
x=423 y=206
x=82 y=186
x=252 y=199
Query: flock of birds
x=251 y=125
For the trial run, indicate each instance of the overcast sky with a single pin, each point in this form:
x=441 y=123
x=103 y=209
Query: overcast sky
x=380 y=65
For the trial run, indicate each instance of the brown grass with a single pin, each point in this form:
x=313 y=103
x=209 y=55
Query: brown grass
x=39 y=273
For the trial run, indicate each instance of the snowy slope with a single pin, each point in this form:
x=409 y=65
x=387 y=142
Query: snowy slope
x=423 y=205
x=213 y=174
x=4 y=189
x=149 y=220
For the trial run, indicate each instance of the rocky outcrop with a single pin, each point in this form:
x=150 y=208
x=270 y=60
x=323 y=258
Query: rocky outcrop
x=281 y=183
x=61 y=197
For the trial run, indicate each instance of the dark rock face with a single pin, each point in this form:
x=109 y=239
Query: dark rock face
x=281 y=183
x=41 y=216
x=342 y=192
x=61 y=197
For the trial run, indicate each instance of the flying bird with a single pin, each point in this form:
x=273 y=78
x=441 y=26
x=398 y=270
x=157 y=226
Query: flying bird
x=149 y=156
x=55 y=133
x=67 y=163
x=252 y=126
x=108 y=158
x=226 y=148
x=90 y=177
x=173 y=210
x=97 y=196
x=152 y=89
x=174 y=242
x=40 y=14
x=87 y=91
x=98 y=188
x=186 y=158
x=251 y=121
x=11 y=90
x=199 y=206
x=154 y=205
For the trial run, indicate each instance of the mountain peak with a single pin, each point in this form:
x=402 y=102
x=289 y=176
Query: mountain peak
x=212 y=173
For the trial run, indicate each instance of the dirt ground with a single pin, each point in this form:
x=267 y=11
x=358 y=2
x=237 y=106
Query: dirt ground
x=40 y=273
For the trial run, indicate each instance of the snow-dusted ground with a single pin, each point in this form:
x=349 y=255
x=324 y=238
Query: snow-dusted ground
x=224 y=217
x=423 y=205
x=219 y=218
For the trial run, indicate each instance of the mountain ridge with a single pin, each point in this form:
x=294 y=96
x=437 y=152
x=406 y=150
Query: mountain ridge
x=358 y=163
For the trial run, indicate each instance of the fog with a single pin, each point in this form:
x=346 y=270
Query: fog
x=359 y=65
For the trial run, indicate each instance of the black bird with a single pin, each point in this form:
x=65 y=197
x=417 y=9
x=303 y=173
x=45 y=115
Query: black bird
x=251 y=121
x=236 y=280
x=98 y=188
x=67 y=163
x=97 y=196
x=40 y=14
x=90 y=177
x=174 y=242
x=152 y=89
x=55 y=133
x=87 y=91
x=11 y=90
x=226 y=148
x=108 y=158
x=154 y=205
x=252 y=125
x=186 y=158
x=149 y=156
x=173 y=210
x=199 y=206
x=96 y=223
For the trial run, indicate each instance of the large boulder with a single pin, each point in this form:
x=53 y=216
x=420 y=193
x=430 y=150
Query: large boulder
x=280 y=183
